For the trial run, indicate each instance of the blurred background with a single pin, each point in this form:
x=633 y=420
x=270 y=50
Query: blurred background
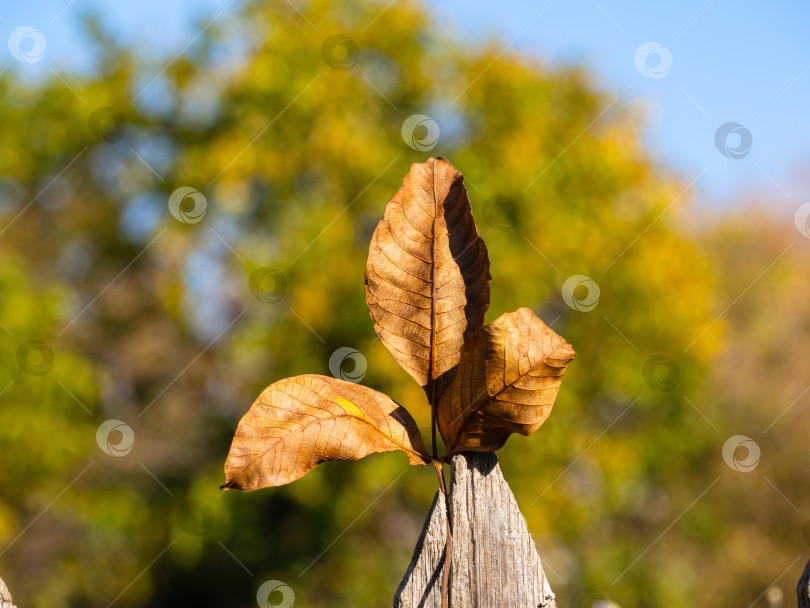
x=187 y=194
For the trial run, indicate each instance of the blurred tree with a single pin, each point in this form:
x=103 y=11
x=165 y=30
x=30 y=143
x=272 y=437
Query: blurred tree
x=170 y=316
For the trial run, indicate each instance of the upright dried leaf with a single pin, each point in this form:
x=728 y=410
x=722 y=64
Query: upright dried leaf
x=299 y=422
x=508 y=378
x=427 y=276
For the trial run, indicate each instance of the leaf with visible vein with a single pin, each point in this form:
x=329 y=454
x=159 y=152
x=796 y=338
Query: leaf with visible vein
x=299 y=422
x=427 y=276
x=507 y=381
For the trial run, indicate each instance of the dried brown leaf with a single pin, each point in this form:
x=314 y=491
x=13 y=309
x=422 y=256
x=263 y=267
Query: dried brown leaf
x=299 y=422
x=427 y=276
x=507 y=381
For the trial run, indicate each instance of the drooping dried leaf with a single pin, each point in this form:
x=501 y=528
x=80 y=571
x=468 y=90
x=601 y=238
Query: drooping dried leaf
x=427 y=276
x=507 y=381
x=299 y=422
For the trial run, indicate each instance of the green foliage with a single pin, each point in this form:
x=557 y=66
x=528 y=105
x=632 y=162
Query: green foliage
x=296 y=160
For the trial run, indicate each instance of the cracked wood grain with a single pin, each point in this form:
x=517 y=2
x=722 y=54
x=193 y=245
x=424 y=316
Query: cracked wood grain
x=495 y=561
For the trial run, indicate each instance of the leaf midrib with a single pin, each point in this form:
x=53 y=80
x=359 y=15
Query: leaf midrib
x=433 y=293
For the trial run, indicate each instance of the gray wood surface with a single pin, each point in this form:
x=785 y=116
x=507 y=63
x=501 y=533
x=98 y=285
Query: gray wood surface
x=495 y=562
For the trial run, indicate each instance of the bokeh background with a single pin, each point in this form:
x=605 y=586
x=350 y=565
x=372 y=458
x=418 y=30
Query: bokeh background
x=187 y=193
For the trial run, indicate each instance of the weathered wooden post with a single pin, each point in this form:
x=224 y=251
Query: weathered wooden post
x=495 y=562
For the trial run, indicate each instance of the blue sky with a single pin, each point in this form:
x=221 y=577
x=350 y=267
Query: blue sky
x=744 y=62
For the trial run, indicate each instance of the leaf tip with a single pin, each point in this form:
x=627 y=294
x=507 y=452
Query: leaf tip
x=569 y=351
